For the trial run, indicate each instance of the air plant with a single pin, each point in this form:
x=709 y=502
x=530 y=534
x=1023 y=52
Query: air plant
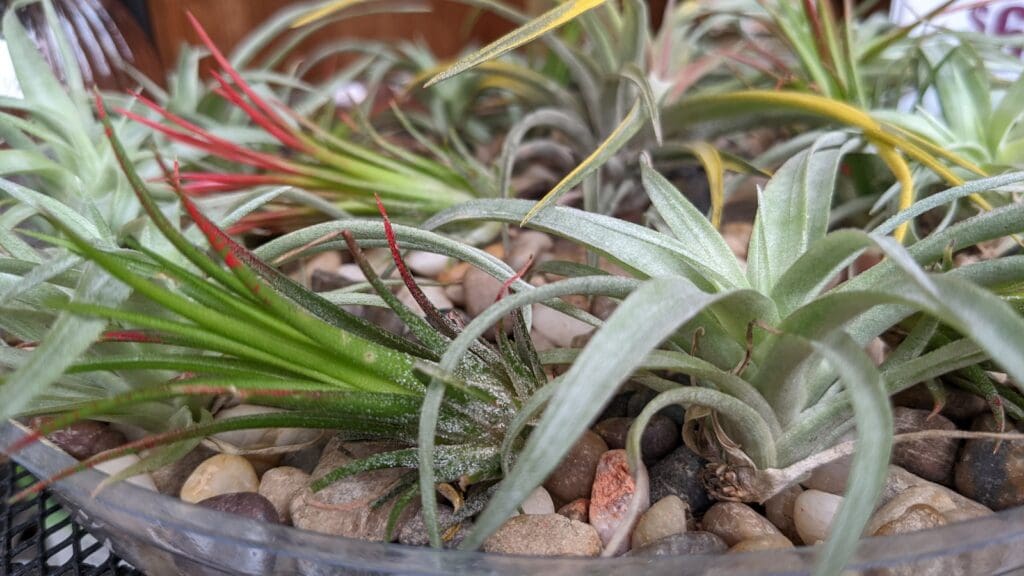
x=291 y=150
x=772 y=358
x=254 y=335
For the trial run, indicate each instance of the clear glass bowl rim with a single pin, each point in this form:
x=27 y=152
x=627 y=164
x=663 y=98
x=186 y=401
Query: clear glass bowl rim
x=43 y=460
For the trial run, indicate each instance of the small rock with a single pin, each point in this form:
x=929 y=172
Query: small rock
x=171 y=477
x=899 y=481
x=665 y=517
x=779 y=510
x=122 y=462
x=762 y=543
x=435 y=295
x=830 y=477
x=917 y=517
x=614 y=431
x=617 y=407
x=679 y=474
x=305 y=459
x=613 y=491
x=248 y=504
x=263 y=462
x=639 y=400
x=574 y=477
x=260 y=440
x=280 y=485
x=931 y=459
x=456 y=293
x=414 y=531
x=557 y=327
x=538 y=502
x=993 y=477
x=959 y=405
x=220 y=474
x=426 y=264
x=685 y=544
x=481 y=290
x=658 y=439
x=737 y=237
x=528 y=244
x=351 y=273
x=544 y=535
x=578 y=510
x=813 y=512
x=344 y=508
x=83 y=439
x=933 y=496
x=734 y=522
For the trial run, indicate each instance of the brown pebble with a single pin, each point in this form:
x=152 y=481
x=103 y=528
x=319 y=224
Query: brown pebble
x=578 y=510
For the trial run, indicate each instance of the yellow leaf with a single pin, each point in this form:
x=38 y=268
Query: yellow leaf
x=533 y=29
x=324 y=11
x=714 y=168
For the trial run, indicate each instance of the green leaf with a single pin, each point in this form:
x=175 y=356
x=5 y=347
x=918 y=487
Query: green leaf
x=69 y=338
x=793 y=210
x=690 y=227
x=618 y=138
x=649 y=315
x=535 y=28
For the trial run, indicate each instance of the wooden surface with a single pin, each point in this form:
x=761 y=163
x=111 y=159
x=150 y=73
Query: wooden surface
x=227 y=21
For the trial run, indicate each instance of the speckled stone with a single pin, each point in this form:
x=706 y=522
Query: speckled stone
x=578 y=510
x=544 y=535
x=280 y=485
x=613 y=491
x=679 y=474
x=931 y=459
x=915 y=518
x=761 y=543
x=735 y=522
x=992 y=477
x=666 y=517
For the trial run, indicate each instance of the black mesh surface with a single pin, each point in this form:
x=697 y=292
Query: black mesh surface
x=37 y=537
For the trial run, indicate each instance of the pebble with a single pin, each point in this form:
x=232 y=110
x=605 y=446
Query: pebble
x=248 y=504
x=779 y=511
x=574 y=477
x=679 y=474
x=933 y=496
x=830 y=477
x=481 y=290
x=456 y=293
x=344 y=508
x=639 y=400
x=544 y=535
x=761 y=543
x=220 y=474
x=993 y=477
x=735 y=522
x=83 y=439
x=616 y=407
x=559 y=328
x=687 y=543
x=436 y=295
x=917 y=517
x=120 y=463
x=538 y=502
x=578 y=510
x=170 y=478
x=414 y=531
x=260 y=440
x=931 y=459
x=665 y=517
x=813 y=512
x=959 y=405
x=426 y=264
x=658 y=439
x=613 y=491
x=279 y=486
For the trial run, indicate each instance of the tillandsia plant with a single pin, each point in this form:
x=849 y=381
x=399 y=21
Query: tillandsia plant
x=56 y=162
x=339 y=162
x=774 y=355
x=589 y=109
x=255 y=335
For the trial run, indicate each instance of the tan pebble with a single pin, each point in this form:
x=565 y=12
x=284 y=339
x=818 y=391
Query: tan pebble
x=778 y=542
x=220 y=474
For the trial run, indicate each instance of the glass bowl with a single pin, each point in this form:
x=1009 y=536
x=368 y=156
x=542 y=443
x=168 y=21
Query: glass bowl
x=161 y=535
